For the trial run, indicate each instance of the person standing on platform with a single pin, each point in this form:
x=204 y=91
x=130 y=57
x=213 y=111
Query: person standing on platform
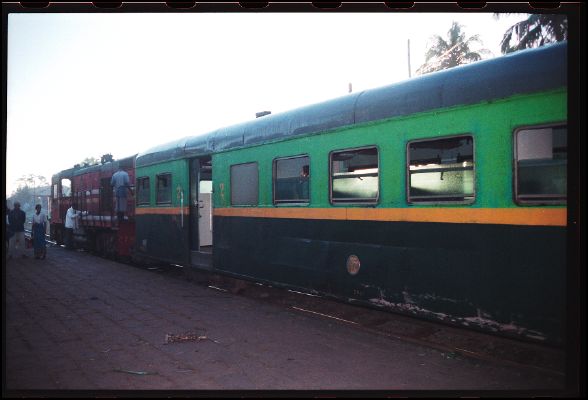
x=121 y=183
x=38 y=233
x=9 y=232
x=16 y=219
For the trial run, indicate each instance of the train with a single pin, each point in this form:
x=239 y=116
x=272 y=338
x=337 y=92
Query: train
x=442 y=197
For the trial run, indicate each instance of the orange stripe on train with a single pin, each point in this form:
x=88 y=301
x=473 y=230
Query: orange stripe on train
x=501 y=216
x=161 y=210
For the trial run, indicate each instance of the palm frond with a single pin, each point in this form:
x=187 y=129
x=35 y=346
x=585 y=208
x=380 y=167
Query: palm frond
x=452 y=51
x=537 y=30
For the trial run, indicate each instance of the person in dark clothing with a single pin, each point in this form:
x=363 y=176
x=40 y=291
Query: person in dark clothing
x=9 y=232
x=38 y=233
x=16 y=219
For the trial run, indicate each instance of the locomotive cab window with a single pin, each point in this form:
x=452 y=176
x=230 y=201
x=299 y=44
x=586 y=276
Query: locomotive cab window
x=164 y=189
x=65 y=187
x=441 y=170
x=540 y=165
x=244 y=184
x=354 y=176
x=291 y=180
x=143 y=197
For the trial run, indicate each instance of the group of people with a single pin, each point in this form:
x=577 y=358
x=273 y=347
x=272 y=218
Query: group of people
x=15 y=221
x=16 y=218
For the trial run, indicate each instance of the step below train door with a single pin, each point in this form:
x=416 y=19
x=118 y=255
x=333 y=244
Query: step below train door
x=201 y=212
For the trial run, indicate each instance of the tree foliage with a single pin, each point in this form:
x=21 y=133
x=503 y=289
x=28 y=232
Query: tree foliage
x=32 y=180
x=456 y=49
x=537 y=30
x=29 y=189
x=106 y=158
x=88 y=161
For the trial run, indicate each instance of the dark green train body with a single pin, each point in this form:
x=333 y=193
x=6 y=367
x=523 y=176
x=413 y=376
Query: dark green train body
x=443 y=197
x=450 y=272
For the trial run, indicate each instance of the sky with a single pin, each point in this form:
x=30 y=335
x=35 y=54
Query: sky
x=83 y=85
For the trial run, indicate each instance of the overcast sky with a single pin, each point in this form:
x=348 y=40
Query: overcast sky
x=83 y=85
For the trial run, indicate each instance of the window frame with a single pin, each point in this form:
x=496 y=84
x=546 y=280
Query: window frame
x=440 y=202
x=157 y=201
x=283 y=203
x=367 y=203
x=138 y=187
x=515 y=169
x=61 y=193
x=231 y=184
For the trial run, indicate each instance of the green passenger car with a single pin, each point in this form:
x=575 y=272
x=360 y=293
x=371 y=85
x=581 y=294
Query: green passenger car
x=162 y=211
x=442 y=197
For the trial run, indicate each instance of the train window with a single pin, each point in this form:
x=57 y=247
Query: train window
x=291 y=180
x=355 y=176
x=143 y=191
x=541 y=164
x=65 y=187
x=441 y=170
x=164 y=189
x=244 y=184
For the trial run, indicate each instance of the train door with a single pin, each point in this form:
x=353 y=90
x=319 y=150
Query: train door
x=201 y=211
x=205 y=206
x=205 y=216
x=60 y=198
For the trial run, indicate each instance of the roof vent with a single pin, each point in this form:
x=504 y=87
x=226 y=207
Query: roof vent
x=262 y=113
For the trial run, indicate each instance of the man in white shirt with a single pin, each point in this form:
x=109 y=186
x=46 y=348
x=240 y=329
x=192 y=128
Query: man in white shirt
x=71 y=221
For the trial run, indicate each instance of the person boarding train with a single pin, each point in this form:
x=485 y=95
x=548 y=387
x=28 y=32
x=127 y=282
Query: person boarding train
x=121 y=183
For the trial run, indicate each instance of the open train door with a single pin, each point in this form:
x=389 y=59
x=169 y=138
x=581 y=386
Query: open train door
x=201 y=211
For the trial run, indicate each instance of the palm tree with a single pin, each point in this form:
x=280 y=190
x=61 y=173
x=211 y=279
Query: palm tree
x=454 y=51
x=537 y=30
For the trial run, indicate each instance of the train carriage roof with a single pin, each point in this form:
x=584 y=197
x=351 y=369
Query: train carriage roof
x=109 y=167
x=526 y=71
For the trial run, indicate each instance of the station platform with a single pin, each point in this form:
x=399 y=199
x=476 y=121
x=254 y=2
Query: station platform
x=80 y=324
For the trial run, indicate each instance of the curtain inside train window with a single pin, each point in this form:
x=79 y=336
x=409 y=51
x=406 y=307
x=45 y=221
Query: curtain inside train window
x=541 y=164
x=244 y=184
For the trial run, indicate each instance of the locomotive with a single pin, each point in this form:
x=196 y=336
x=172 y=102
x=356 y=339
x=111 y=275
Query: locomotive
x=442 y=197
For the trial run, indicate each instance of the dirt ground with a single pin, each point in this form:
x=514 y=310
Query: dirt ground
x=76 y=323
